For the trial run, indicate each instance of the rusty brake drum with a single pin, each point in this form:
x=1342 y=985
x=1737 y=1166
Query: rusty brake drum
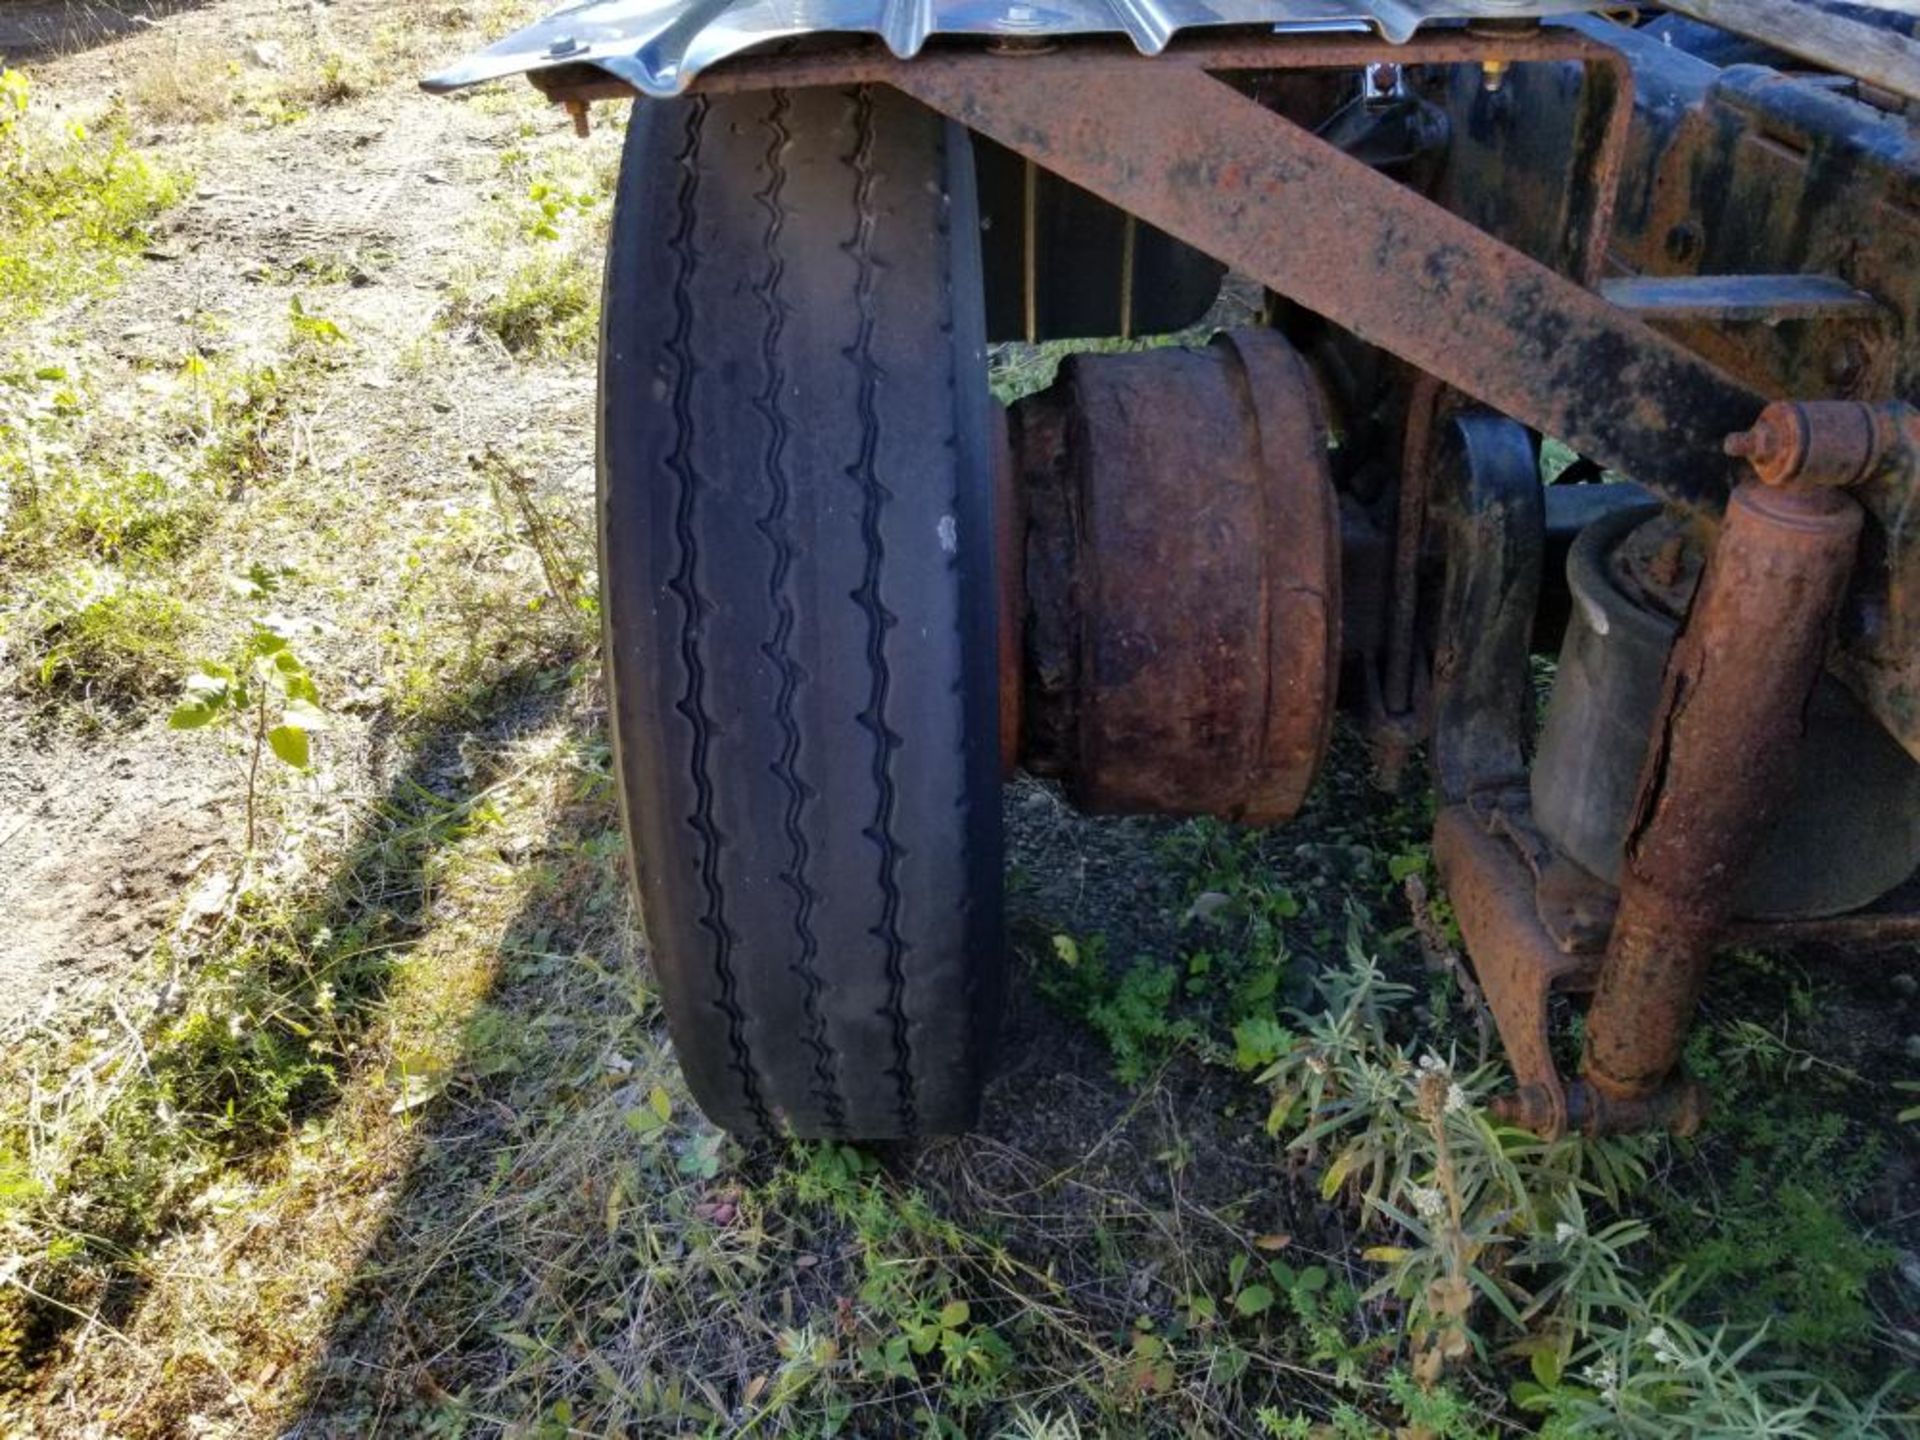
x=1181 y=615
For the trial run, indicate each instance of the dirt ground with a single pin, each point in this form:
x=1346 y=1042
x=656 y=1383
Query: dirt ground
x=103 y=835
x=98 y=852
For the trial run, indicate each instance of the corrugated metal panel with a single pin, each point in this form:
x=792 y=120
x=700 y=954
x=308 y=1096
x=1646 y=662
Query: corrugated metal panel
x=658 y=46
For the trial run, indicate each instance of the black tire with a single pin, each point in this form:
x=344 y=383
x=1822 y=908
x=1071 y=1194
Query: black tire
x=796 y=556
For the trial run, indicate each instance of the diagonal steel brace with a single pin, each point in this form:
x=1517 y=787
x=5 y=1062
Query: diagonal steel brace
x=1186 y=152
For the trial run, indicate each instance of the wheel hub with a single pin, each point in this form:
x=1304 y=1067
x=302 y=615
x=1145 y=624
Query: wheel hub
x=1177 y=580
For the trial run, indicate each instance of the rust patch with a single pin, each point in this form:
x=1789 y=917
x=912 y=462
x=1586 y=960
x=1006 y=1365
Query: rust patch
x=1182 y=615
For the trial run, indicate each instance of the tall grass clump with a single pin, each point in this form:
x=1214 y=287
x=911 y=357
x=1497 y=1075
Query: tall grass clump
x=1500 y=1248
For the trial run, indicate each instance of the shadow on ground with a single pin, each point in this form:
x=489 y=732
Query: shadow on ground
x=348 y=943
x=576 y=1252
x=44 y=29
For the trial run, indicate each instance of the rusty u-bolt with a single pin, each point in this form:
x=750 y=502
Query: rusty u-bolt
x=1720 y=760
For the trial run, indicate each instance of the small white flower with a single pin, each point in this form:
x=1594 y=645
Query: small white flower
x=1433 y=1064
x=1428 y=1203
x=1664 y=1350
x=1565 y=1234
x=1605 y=1378
x=1456 y=1099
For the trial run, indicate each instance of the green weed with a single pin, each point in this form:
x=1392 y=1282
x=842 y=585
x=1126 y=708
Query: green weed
x=267 y=689
x=1132 y=1012
x=64 y=499
x=539 y=293
x=1499 y=1239
x=556 y=540
x=74 y=203
x=1247 y=909
x=100 y=522
x=543 y=302
x=1778 y=1247
x=104 y=638
x=1742 y=1306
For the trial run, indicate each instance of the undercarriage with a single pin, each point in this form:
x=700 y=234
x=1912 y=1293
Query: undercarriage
x=1481 y=251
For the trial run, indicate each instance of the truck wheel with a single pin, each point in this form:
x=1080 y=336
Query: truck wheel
x=796 y=550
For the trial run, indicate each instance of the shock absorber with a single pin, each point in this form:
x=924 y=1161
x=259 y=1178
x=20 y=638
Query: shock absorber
x=1723 y=748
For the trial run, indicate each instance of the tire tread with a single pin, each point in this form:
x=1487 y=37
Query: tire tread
x=792 y=371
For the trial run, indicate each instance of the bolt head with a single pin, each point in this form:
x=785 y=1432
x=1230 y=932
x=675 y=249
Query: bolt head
x=1773 y=447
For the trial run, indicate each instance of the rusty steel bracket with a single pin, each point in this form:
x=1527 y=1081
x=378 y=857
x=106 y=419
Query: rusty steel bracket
x=1491 y=512
x=1578 y=910
x=1396 y=695
x=1516 y=962
x=1787 y=334
x=1211 y=167
x=1482 y=852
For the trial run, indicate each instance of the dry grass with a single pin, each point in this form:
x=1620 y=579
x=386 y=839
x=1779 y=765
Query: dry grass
x=290 y=62
x=184 y=82
x=237 y=1305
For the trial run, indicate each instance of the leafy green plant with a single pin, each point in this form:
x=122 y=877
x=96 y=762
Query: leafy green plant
x=315 y=329
x=1426 y=1413
x=551 y=205
x=1221 y=1000
x=1132 y=1010
x=73 y=202
x=1245 y=914
x=270 y=1021
x=269 y=691
x=911 y=1321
